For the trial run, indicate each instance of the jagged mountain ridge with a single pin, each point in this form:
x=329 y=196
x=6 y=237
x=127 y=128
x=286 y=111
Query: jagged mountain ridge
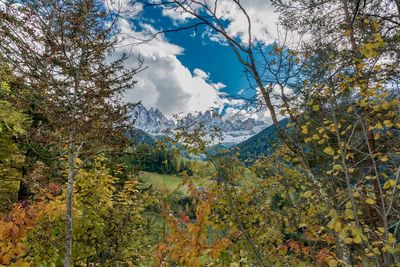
x=234 y=130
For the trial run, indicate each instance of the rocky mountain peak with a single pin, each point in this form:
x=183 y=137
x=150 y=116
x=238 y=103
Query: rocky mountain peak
x=155 y=122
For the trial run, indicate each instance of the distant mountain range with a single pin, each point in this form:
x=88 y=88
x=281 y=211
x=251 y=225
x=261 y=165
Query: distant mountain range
x=250 y=137
x=233 y=130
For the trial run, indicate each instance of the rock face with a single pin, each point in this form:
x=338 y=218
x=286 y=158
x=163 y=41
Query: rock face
x=233 y=130
x=152 y=120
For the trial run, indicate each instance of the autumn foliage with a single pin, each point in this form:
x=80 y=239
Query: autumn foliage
x=326 y=193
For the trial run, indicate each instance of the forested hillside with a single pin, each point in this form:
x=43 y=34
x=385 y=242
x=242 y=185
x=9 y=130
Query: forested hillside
x=80 y=186
x=262 y=144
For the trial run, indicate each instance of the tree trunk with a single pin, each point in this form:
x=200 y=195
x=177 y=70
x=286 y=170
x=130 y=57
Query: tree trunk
x=70 y=188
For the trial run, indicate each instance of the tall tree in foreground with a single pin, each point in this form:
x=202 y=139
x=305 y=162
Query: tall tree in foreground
x=61 y=49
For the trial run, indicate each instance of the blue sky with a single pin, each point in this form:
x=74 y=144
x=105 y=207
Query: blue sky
x=213 y=57
x=188 y=68
x=217 y=59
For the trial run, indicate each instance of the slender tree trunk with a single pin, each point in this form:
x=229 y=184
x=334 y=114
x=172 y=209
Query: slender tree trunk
x=73 y=155
x=70 y=188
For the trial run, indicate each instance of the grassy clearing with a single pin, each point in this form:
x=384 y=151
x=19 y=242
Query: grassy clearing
x=168 y=181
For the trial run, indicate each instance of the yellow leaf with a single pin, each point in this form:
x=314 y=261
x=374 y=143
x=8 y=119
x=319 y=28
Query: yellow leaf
x=347 y=32
x=370 y=201
x=348 y=240
x=351 y=170
x=20 y=263
x=384 y=158
x=375 y=25
x=307 y=194
x=338 y=226
x=349 y=214
x=329 y=150
x=376 y=251
x=389 y=184
x=357 y=239
x=385 y=105
x=315 y=107
x=337 y=167
x=364 y=103
x=379 y=126
x=376 y=108
x=304 y=129
x=388 y=123
x=333 y=263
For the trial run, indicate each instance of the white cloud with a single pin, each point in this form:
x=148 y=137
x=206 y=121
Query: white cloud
x=241 y=92
x=264 y=19
x=167 y=84
x=124 y=7
x=232 y=113
x=201 y=73
x=176 y=14
x=170 y=86
x=213 y=36
x=218 y=85
x=241 y=109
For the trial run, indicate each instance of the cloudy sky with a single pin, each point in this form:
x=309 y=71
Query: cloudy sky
x=190 y=70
